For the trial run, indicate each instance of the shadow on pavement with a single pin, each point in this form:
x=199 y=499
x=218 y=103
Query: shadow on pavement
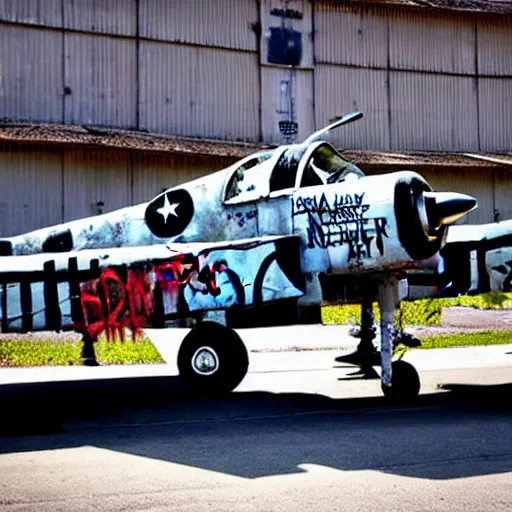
x=496 y=396
x=261 y=434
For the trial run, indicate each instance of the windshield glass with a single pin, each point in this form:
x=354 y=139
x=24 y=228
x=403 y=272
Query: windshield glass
x=325 y=166
x=245 y=178
x=285 y=171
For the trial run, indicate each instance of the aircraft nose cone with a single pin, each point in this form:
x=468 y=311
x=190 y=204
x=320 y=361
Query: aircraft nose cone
x=444 y=208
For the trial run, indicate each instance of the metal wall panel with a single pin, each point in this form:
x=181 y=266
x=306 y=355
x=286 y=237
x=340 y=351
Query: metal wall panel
x=495 y=102
x=37 y=12
x=30 y=75
x=31 y=191
x=495 y=45
x=430 y=41
x=287 y=96
x=350 y=36
x=433 y=112
x=112 y=17
x=92 y=176
x=340 y=90
x=200 y=92
x=476 y=183
x=225 y=23
x=503 y=182
x=100 y=73
x=153 y=173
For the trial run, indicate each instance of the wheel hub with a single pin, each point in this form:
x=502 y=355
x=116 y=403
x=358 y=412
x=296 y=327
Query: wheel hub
x=205 y=361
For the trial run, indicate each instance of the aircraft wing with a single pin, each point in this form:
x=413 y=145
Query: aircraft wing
x=143 y=286
x=475 y=259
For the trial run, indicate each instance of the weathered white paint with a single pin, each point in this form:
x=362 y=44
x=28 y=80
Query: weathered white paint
x=499 y=268
x=476 y=233
x=245 y=258
x=366 y=201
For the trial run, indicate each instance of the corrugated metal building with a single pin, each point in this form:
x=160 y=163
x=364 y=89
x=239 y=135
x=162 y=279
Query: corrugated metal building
x=104 y=104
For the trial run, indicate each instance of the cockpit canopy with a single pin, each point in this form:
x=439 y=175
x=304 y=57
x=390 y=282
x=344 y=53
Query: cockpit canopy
x=288 y=167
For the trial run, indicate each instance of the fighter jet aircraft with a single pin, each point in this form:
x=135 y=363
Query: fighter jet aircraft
x=270 y=236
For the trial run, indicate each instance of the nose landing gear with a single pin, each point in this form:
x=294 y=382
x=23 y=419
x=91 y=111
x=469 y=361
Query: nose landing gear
x=400 y=381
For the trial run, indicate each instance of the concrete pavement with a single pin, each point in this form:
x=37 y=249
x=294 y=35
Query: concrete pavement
x=279 y=350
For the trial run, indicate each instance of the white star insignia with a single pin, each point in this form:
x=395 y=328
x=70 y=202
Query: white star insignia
x=168 y=209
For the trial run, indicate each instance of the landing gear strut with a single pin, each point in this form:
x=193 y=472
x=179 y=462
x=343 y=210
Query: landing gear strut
x=366 y=355
x=399 y=380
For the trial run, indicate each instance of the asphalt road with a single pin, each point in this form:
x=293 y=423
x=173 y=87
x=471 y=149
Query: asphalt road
x=298 y=435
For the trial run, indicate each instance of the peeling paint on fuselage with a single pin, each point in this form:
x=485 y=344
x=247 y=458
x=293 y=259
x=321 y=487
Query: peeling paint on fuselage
x=125 y=227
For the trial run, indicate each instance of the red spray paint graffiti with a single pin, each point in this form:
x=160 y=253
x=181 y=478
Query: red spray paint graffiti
x=111 y=306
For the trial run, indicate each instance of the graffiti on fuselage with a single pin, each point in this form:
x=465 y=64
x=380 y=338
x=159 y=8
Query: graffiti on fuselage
x=110 y=303
x=341 y=222
x=111 y=291
x=241 y=218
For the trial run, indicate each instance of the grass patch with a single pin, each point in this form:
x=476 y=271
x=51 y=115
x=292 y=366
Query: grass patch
x=418 y=312
x=467 y=339
x=29 y=353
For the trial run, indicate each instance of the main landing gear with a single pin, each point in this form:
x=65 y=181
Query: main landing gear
x=212 y=359
x=400 y=381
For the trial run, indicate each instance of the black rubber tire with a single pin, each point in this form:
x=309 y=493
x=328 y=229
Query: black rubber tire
x=410 y=230
x=405 y=383
x=233 y=360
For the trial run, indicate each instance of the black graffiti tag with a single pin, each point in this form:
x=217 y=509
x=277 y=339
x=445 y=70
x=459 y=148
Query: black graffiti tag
x=341 y=222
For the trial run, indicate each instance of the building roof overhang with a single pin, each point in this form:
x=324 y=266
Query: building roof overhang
x=100 y=137
x=471 y=6
x=113 y=139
